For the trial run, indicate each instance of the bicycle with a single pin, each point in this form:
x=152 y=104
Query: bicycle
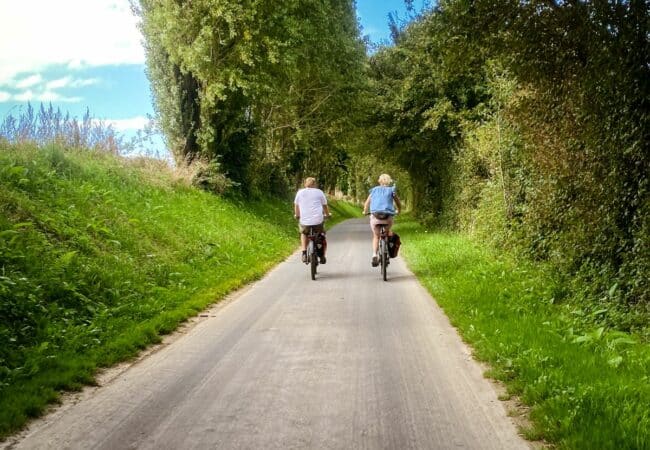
x=383 y=252
x=312 y=251
x=384 y=256
x=312 y=258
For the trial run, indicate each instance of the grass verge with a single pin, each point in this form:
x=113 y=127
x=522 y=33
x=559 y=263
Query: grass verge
x=588 y=385
x=99 y=256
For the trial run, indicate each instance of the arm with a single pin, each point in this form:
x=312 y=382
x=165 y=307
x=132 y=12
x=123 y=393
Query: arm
x=397 y=202
x=366 y=205
x=326 y=209
x=296 y=211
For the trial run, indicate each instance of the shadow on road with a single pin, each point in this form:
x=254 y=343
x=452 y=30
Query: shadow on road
x=399 y=278
x=332 y=275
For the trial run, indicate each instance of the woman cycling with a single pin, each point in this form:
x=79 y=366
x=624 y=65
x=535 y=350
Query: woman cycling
x=380 y=204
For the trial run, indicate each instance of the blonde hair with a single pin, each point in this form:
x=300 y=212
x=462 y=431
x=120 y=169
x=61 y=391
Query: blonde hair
x=310 y=181
x=385 y=179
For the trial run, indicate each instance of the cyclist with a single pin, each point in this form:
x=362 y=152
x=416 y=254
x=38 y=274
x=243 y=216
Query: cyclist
x=310 y=207
x=381 y=203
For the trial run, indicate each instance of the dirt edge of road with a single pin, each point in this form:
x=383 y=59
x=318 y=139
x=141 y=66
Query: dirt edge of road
x=517 y=411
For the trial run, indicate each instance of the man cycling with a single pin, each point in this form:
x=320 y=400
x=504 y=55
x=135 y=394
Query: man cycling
x=380 y=203
x=310 y=207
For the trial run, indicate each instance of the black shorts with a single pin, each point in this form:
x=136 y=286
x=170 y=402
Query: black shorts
x=304 y=229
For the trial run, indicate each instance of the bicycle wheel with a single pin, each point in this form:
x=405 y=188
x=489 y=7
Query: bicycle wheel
x=383 y=258
x=312 y=258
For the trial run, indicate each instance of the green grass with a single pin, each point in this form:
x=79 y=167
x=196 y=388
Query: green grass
x=100 y=256
x=588 y=385
x=342 y=210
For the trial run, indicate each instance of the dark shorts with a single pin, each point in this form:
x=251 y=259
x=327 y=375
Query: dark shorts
x=304 y=229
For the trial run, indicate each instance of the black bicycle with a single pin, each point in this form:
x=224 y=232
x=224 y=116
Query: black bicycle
x=383 y=254
x=312 y=250
x=315 y=247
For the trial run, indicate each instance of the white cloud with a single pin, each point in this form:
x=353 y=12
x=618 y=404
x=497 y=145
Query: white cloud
x=26 y=96
x=44 y=96
x=76 y=33
x=59 y=83
x=30 y=81
x=70 y=82
x=81 y=82
x=51 y=96
x=134 y=123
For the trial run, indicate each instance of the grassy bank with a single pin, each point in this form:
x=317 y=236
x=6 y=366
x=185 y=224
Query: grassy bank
x=99 y=256
x=588 y=385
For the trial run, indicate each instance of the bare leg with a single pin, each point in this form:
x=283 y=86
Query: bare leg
x=303 y=241
x=375 y=244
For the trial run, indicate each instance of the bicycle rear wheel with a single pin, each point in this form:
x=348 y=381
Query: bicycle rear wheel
x=383 y=258
x=312 y=258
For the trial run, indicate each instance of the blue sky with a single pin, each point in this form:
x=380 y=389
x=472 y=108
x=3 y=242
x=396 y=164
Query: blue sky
x=80 y=54
x=373 y=16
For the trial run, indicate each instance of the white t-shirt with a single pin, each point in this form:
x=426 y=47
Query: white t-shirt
x=310 y=202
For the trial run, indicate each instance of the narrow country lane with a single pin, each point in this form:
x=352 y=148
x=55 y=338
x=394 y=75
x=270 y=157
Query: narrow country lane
x=344 y=362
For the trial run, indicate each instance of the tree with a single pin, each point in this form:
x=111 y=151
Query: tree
x=262 y=86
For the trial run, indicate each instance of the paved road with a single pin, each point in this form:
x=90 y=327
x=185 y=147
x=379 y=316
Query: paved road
x=344 y=362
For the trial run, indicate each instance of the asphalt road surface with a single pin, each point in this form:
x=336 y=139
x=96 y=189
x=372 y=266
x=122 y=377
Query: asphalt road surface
x=344 y=362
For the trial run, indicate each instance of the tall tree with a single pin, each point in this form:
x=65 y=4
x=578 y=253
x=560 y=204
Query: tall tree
x=274 y=80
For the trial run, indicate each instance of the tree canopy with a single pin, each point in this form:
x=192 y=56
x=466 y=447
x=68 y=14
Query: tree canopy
x=262 y=87
x=525 y=122
x=528 y=122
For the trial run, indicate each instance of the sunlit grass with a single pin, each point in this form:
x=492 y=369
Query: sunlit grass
x=100 y=256
x=588 y=386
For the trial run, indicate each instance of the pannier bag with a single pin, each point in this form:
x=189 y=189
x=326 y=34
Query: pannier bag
x=393 y=245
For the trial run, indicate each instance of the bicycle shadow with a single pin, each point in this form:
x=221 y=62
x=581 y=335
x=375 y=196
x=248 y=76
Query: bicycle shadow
x=332 y=275
x=399 y=278
x=338 y=275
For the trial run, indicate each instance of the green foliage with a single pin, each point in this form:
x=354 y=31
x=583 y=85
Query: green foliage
x=526 y=124
x=421 y=102
x=587 y=383
x=590 y=191
x=485 y=192
x=100 y=255
x=210 y=177
x=264 y=86
x=342 y=210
